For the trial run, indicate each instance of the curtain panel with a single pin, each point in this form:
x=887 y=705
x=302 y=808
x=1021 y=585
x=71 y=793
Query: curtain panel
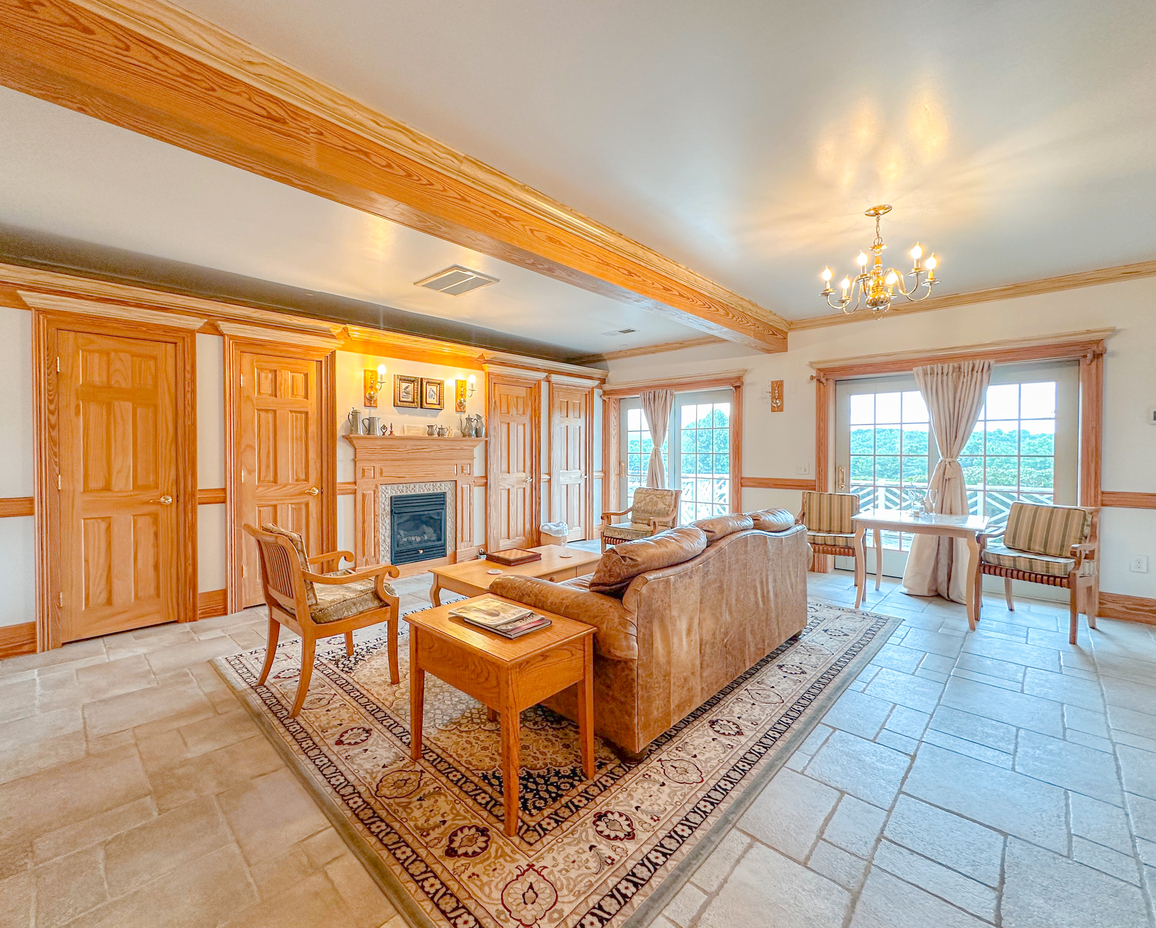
x=656 y=406
x=954 y=394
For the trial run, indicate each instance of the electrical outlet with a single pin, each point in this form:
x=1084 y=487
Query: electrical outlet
x=803 y=470
x=1139 y=564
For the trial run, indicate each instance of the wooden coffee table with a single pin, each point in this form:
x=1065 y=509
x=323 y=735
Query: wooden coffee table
x=472 y=578
x=504 y=675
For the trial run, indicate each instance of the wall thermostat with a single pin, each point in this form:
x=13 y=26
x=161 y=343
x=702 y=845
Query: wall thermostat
x=1152 y=415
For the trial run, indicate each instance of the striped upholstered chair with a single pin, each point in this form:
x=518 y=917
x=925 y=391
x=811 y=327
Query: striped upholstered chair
x=828 y=520
x=1053 y=545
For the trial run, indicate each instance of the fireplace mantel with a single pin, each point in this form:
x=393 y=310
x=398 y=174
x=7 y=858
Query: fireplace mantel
x=391 y=459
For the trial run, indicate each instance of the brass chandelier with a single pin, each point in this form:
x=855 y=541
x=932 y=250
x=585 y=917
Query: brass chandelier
x=875 y=288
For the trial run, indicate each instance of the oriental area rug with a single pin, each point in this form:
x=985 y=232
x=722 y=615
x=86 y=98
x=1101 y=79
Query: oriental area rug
x=592 y=853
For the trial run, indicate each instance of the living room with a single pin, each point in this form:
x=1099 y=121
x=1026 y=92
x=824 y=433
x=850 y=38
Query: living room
x=804 y=599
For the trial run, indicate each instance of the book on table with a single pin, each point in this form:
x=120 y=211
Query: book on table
x=494 y=615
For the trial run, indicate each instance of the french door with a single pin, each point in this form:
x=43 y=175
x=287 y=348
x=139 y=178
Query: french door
x=1025 y=446
x=701 y=428
x=512 y=456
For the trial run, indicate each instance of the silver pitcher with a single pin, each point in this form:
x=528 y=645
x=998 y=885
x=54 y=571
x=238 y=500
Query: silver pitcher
x=370 y=425
x=354 y=419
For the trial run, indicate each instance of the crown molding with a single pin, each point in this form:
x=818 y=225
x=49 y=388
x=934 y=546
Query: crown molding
x=644 y=350
x=151 y=67
x=1106 y=275
x=46 y=283
x=51 y=302
x=263 y=334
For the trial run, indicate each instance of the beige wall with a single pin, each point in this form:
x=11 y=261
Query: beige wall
x=779 y=445
x=17 y=535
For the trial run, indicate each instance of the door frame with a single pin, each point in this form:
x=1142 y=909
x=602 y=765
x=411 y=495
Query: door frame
x=242 y=339
x=516 y=377
x=587 y=386
x=130 y=322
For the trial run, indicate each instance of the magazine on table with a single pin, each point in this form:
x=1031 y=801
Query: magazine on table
x=497 y=616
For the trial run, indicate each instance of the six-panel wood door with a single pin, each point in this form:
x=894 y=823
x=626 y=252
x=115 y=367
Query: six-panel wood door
x=118 y=486
x=281 y=444
x=512 y=459
x=569 y=434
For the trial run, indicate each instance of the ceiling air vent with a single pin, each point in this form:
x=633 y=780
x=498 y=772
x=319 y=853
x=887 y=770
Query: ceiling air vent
x=456 y=280
x=618 y=332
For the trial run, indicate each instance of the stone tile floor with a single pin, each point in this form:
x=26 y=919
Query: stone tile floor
x=1001 y=777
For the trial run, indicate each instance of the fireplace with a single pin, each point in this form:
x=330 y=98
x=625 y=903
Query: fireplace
x=417 y=527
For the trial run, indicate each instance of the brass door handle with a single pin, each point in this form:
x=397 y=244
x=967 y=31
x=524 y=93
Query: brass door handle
x=313 y=491
x=165 y=500
x=842 y=477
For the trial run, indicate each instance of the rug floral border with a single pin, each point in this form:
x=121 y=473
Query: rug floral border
x=307 y=762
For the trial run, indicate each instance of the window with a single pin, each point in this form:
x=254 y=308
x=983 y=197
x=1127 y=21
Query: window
x=638 y=447
x=704 y=470
x=700 y=428
x=1024 y=445
x=890 y=452
x=1012 y=452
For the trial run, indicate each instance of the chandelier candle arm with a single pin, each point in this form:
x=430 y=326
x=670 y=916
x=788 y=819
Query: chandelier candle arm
x=875 y=286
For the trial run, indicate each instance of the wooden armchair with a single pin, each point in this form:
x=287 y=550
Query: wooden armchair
x=1052 y=545
x=650 y=512
x=320 y=605
x=830 y=530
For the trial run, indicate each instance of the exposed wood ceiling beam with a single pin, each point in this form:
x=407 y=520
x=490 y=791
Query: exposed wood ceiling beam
x=154 y=69
x=643 y=350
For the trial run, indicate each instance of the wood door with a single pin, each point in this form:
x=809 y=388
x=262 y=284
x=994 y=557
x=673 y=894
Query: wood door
x=282 y=441
x=118 y=484
x=513 y=456
x=569 y=455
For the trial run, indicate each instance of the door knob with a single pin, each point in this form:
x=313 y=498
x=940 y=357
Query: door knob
x=313 y=491
x=166 y=500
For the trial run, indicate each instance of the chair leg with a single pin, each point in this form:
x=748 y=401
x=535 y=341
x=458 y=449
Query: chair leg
x=1094 y=601
x=308 y=648
x=1007 y=594
x=1074 y=608
x=270 y=649
x=393 y=622
x=349 y=644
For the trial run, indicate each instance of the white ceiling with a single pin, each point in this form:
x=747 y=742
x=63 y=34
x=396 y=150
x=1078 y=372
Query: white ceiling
x=66 y=174
x=744 y=138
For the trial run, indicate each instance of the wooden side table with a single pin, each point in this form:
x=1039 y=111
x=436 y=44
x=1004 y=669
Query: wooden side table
x=969 y=528
x=504 y=675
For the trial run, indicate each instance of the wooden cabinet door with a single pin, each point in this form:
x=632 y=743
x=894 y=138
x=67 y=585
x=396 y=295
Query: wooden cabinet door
x=119 y=520
x=569 y=435
x=281 y=444
x=512 y=459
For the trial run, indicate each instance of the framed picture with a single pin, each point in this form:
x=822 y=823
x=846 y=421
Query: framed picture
x=405 y=391
x=432 y=393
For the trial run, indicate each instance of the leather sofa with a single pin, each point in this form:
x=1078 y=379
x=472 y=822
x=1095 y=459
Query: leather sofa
x=678 y=634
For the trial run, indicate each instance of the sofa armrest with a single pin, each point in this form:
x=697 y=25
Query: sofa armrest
x=616 y=636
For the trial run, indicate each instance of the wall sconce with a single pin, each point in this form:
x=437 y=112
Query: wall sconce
x=463 y=389
x=374 y=381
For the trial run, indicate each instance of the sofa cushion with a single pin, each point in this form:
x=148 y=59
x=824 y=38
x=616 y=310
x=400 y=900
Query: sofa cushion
x=624 y=562
x=616 y=636
x=721 y=526
x=772 y=520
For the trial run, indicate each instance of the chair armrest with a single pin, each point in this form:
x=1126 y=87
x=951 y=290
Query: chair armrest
x=620 y=512
x=1083 y=552
x=983 y=537
x=377 y=574
x=338 y=556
